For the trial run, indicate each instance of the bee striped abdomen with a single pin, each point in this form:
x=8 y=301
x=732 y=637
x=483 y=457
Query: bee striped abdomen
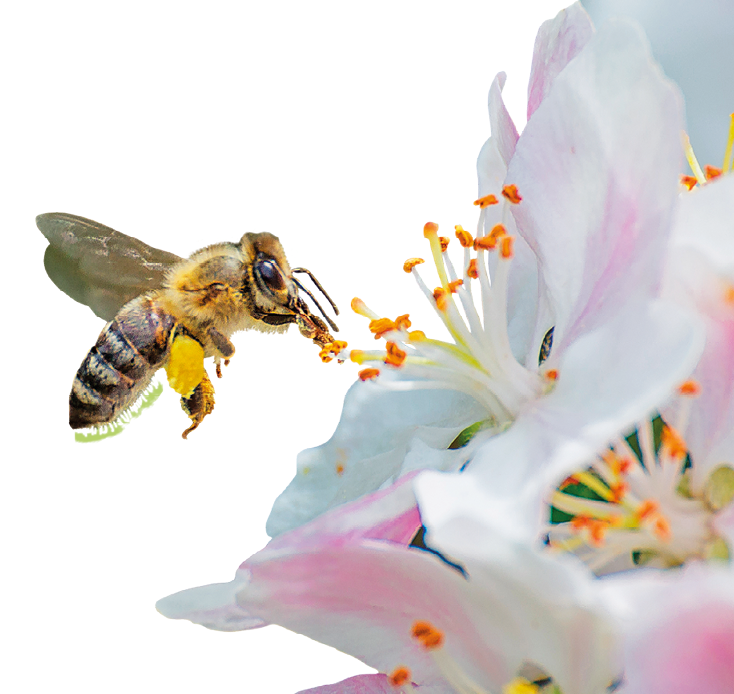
x=120 y=366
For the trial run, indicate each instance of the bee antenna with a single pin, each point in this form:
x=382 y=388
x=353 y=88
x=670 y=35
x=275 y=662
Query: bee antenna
x=331 y=323
x=318 y=284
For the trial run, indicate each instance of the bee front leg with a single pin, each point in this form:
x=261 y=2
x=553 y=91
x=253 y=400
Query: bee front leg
x=223 y=346
x=199 y=404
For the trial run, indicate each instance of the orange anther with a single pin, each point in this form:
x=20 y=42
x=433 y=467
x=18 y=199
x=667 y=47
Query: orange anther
x=618 y=490
x=486 y=201
x=340 y=467
x=403 y=322
x=647 y=509
x=454 y=285
x=711 y=172
x=690 y=387
x=673 y=443
x=661 y=527
x=325 y=353
x=395 y=355
x=465 y=238
x=552 y=374
x=381 y=326
x=689 y=181
x=568 y=482
x=510 y=192
x=410 y=263
x=729 y=294
x=427 y=634
x=498 y=230
x=444 y=241
x=441 y=297
x=429 y=229
x=368 y=374
x=506 y=243
x=472 y=271
x=597 y=531
x=485 y=243
x=399 y=676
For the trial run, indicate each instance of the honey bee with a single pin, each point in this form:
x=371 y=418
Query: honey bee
x=169 y=312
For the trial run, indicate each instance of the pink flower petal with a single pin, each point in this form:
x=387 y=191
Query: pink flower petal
x=361 y=684
x=597 y=166
x=558 y=42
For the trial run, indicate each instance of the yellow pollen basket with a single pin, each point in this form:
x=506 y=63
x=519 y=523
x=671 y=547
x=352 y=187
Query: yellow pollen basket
x=185 y=366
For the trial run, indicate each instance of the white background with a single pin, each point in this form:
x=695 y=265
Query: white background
x=341 y=127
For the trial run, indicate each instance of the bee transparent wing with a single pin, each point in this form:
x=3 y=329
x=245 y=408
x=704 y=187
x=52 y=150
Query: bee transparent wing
x=98 y=266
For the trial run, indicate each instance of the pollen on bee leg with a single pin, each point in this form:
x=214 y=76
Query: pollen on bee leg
x=368 y=374
x=395 y=355
x=410 y=263
x=511 y=194
x=399 y=676
x=359 y=307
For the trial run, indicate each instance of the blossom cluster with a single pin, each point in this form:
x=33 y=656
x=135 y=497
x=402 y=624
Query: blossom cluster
x=541 y=500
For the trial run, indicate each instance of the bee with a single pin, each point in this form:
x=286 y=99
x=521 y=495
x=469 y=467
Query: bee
x=168 y=312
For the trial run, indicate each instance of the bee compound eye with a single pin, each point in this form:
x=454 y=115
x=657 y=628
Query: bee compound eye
x=271 y=275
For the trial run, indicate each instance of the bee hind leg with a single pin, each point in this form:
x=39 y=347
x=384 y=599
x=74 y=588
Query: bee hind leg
x=199 y=404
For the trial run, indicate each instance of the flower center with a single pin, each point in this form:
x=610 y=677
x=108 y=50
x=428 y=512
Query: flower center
x=702 y=176
x=477 y=359
x=634 y=504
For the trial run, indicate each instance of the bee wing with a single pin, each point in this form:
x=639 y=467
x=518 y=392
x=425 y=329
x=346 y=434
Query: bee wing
x=98 y=266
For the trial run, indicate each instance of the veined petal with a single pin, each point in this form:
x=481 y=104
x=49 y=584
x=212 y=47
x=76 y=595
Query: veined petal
x=500 y=121
x=559 y=41
x=598 y=167
x=369 y=447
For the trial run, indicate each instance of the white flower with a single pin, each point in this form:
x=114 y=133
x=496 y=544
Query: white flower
x=557 y=338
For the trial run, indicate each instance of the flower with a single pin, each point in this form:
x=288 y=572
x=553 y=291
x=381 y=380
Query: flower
x=499 y=616
x=571 y=344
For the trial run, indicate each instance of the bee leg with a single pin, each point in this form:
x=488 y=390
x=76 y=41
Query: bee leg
x=314 y=328
x=222 y=343
x=199 y=404
x=218 y=366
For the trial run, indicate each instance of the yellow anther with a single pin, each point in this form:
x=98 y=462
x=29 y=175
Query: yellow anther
x=358 y=356
x=520 y=686
x=486 y=201
x=359 y=307
x=410 y=263
x=465 y=238
x=444 y=241
x=185 y=365
x=416 y=336
x=430 y=229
